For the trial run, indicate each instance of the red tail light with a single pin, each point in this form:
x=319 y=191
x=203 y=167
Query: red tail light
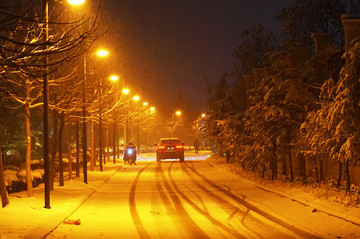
x=161 y=147
x=179 y=146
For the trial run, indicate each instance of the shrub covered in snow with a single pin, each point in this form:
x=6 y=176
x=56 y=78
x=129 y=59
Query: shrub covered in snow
x=15 y=179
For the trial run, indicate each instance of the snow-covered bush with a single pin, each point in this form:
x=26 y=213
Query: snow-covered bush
x=10 y=177
x=15 y=179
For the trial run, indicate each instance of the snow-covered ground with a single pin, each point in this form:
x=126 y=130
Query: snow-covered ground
x=27 y=218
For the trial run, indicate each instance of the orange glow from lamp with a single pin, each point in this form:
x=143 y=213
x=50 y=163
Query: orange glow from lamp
x=114 y=78
x=102 y=53
x=75 y=2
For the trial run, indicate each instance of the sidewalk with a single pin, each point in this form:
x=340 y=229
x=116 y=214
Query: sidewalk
x=26 y=217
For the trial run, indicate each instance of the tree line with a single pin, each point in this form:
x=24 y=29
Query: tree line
x=308 y=108
x=62 y=49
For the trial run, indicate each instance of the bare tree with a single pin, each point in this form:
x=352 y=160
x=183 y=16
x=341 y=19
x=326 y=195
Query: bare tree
x=23 y=49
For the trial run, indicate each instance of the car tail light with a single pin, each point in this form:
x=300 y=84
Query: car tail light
x=161 y=147
x=179 y=146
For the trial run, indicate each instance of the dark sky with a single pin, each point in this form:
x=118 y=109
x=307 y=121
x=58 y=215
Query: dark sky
x=174 y=47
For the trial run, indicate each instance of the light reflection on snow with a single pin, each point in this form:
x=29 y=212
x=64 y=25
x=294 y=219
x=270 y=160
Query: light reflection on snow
x=188 y=156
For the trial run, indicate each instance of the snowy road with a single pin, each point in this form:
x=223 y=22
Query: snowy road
x=193 y=200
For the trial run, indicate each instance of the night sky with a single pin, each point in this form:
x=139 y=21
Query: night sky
x=171 y=48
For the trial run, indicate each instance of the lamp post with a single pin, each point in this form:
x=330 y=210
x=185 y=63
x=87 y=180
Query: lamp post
x=84 y=138
x=177 y=113
x=135 y=98
x=126 y=91
x=101 y=53
x=114 y=78
x=46 y=111
x=46 y=102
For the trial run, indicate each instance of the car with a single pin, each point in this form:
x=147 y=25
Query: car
x=170 y=148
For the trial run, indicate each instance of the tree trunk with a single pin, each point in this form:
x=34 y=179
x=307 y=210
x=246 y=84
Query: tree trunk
x=61 y=164
x=302 y=165
x=227 y=156
x=29 y=186
x=263 y=170
x=69 y=150
x=54 y=150
x=291 y=166
x=114 y=148
x=339 y=175
x=274 y=165
x=117 y=146
x=321 y=170
x=317 y=170
x=77 y=136
x=107 y=154
x=283 y=157
x=347 y=172
x=92 y=145
x=220 y=150
x=4 y=194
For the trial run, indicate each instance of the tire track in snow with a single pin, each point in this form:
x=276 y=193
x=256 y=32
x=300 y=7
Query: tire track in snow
x=192 y=229
x=134 y=213
x=225 y=205
x=167 y=202
x=201 y=211
x=257 y=210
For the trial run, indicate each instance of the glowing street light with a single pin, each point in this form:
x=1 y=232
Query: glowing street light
x=125 y=91
x=178 y=112
x=152 y=109
x=136 y=97
x=102 y=53
x=114 y=77
x=145 y=103
x=75 y=2
x=203 y=115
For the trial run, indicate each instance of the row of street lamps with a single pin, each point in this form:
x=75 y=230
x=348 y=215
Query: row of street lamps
x=101 y=53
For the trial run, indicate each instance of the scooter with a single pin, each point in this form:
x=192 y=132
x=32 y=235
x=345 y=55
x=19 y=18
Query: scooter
x=130 y=154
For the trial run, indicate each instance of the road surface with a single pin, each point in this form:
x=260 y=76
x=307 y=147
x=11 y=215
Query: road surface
x=194 y=199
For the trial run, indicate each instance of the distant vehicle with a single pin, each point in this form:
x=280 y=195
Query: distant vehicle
x=170 y=148
x=130 y=154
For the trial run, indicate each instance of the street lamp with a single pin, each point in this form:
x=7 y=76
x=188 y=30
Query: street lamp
x=114 y=78
x=135 y=98
x=101 y=53
x=46 y=102
x=173 y=127
x=75 y=2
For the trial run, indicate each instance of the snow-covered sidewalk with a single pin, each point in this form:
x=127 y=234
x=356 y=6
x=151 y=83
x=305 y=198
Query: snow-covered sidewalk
x=26 y=217
x=297 y=193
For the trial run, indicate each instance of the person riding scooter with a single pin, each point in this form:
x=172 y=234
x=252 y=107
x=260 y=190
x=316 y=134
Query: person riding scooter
x=130 y=154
